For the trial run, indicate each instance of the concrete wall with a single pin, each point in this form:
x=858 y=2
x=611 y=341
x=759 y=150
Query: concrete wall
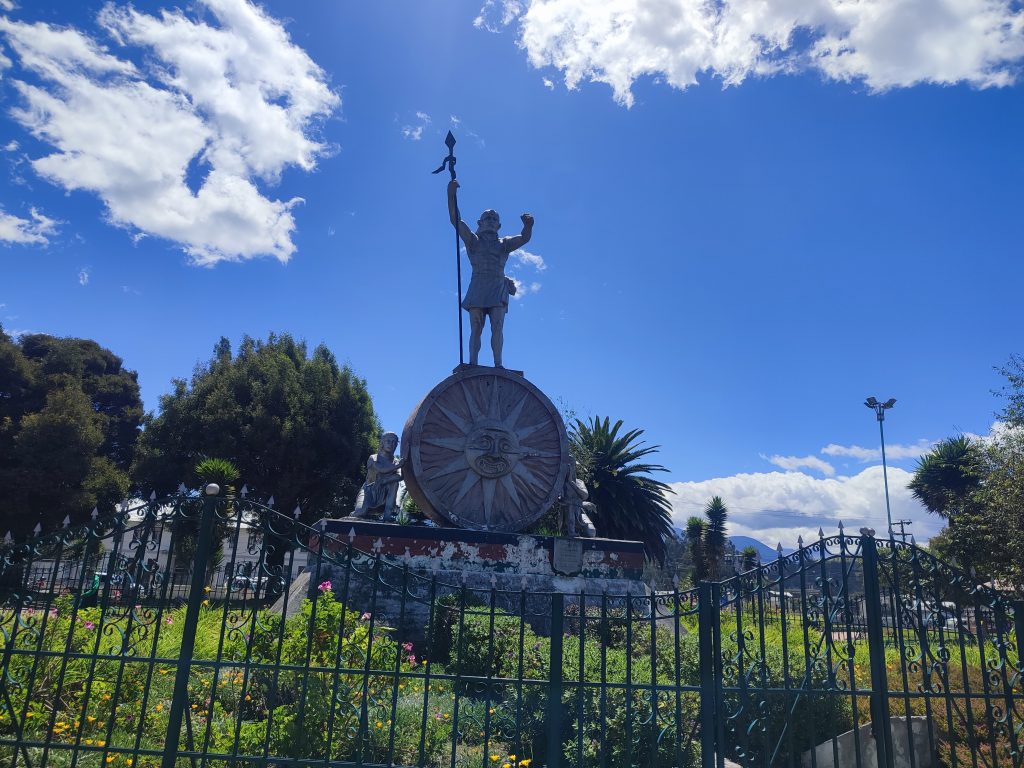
x=846 y=747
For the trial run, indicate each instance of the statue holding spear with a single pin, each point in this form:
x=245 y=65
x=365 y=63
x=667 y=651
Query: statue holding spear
x=489 y=288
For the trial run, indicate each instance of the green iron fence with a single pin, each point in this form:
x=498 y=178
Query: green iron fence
x=215 y=631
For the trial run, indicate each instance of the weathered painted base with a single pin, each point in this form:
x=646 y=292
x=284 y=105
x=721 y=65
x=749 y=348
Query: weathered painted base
x=479 y=561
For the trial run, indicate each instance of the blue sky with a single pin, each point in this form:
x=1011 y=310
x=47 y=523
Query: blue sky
x=748 y=217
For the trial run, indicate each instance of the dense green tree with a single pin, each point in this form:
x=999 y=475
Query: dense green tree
x=714 y=536
x=297 y=426
x=978 y=486
x=69 y=421
x=695 y=528
x=630 y=504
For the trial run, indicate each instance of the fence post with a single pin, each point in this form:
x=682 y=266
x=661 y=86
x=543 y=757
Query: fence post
x=554 y=717
x=179 y=700
x=880 y=728
x=1018 y=630
x=707 y=617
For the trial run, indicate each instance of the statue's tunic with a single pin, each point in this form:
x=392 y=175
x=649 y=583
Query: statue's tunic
x=488 y=288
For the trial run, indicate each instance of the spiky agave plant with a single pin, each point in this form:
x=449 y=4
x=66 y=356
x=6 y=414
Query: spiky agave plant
x=630 y=504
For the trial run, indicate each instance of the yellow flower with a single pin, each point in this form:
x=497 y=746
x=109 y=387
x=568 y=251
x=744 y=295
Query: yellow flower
x=248 y=697
x=159 y=707
x=100 y=743
x=30 y=714
x=492 y=711
x=380 y=724
x=110 y=758
x=526 y=762
x=77 y=723
x=207 y=589
x=206 y=602
x=106 y=697
x=494 y=758
x=164 y=671
x=129 y=761
x=90 y=718
x=446 y=715
x=512 y=758
x=89 y=742
x=506 y=765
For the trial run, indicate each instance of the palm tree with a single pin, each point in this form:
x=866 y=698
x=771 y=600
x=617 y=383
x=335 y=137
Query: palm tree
x=695 y=538
x=630 y=504
x=714 y=535
x=947 y=476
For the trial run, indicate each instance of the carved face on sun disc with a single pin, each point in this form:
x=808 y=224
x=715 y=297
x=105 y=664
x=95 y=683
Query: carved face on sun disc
x=492 y=450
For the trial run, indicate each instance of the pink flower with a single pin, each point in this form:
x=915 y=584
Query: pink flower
x=325 y=586
x=412 y=659
x=90 y=625
x=365 y=617
x=169 y=620
x=407 y=646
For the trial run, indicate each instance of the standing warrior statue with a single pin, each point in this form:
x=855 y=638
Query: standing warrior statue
x=489 y=289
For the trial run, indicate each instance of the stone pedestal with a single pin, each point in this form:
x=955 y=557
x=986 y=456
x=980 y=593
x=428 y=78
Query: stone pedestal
x=454 y=559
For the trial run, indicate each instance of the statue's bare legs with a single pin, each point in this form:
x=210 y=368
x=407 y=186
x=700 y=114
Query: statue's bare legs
x=476 y=329
x=497 y=315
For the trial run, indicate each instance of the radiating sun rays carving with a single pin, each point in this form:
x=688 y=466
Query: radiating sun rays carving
x=488 y=451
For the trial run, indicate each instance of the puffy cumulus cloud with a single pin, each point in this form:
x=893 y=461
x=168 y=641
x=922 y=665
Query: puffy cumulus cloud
x=800 y=462
x=523 y=262
x=895 y=451
x=780 y=506
x=882 y=43
x=177 y=150
x=32 y=231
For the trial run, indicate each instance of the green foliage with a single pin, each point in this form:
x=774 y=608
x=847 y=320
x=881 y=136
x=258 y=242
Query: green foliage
x=695 y=528
x=1013 y=390
x=297 y=426
x=69 y=421
x=979 y=488
x=714 y=537
x=630 y=504
x=749 y=558
x=219 y=471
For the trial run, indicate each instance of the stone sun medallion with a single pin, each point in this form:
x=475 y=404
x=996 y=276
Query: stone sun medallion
x=485 y=450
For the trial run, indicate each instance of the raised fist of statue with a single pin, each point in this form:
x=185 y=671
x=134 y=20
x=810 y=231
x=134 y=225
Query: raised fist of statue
x=527 y=219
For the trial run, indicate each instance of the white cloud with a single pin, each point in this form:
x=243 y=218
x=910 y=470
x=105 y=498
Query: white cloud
x=524 y=288
x=799 y=462
x=7 y=5
x=882 y=43
x=83 y=275
x=548 y=83
x=26 y=231
x=779 y=506
x=219 y=107
x=415 y=132
x=454 y=120
x=11 y=146
x=524 y=258
x=895 y=451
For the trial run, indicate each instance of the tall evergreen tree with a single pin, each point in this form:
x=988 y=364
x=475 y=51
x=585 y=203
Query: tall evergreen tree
x=297 y=426
x=69 y=421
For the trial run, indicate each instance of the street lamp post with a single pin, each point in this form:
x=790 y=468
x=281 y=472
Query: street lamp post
x=880 y=409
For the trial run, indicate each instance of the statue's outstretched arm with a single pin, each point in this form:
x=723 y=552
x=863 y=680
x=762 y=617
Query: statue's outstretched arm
x=453 y=213
x=518 y=241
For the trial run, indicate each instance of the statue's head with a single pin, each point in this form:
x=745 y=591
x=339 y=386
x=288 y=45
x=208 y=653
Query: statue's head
x=489 y=221
x=388 y=442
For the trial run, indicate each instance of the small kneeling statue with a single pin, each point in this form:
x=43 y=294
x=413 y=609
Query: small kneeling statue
x=383 y=473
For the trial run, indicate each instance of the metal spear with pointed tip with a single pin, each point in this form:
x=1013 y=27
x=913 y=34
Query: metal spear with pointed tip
x=449 y=161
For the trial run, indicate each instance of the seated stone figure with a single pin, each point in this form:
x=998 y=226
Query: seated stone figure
x=383 y=473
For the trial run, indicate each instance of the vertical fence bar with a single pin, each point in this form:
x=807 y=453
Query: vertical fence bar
x=706 y=617
x=554 y=718
x=204 y=549
x=876 y=654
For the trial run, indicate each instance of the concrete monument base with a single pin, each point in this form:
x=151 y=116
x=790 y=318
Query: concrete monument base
x=478 y=561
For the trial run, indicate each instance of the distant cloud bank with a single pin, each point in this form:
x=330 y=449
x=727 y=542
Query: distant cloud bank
x=178 y=144
x=881 y=43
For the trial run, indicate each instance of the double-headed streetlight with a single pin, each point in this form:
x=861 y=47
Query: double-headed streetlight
x=880 y=409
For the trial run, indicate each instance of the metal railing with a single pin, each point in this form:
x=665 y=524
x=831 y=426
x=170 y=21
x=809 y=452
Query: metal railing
x=850 y=651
